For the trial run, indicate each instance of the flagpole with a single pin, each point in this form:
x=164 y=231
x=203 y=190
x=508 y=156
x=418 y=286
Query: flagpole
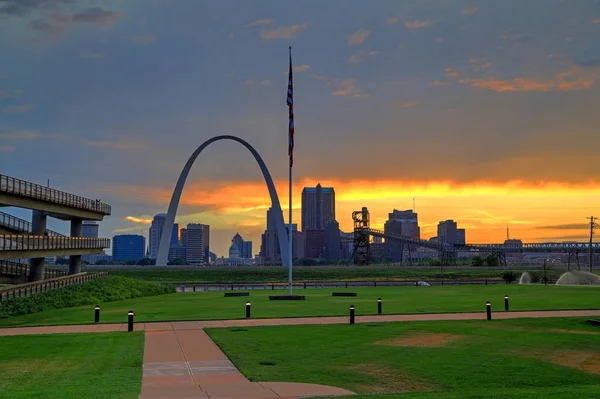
x=290 y=233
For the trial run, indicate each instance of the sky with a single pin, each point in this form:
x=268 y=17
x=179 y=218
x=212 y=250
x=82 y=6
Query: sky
x=484 y=112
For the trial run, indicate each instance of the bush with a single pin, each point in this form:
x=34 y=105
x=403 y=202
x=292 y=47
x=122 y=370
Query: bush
x=111 y=288
x=477 y=261
x=509 y=277
x=535 y=277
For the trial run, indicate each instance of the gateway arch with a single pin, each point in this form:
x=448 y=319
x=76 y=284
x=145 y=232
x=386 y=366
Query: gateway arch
x=165 y=239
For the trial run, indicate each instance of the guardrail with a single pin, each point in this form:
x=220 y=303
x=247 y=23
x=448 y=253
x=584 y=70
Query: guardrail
x=38 y=287
x=24 y=188
x=19 y=224
x=13 y=242
x=10 y=268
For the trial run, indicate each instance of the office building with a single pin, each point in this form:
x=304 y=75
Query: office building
x=318 y=207
x=402 y=224
x=269 y=248
x=194 y=244
x=89 y=230
x=206 y=242
x=176 y=252
x=298 y=244
x=314 y=243
x=333 y=241
x=246 y=250
x=238 y=241
x=447 y=232
x=128 y=247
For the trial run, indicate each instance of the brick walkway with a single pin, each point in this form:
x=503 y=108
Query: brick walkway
x=181 y=361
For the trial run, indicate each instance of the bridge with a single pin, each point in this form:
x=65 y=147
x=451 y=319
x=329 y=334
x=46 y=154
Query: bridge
x=448 y=252
x=20 y=239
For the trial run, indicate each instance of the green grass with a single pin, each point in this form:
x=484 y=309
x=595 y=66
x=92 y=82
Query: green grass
x=319 y=302
x=63 y=366
x=112 y=288
x=280 y=274
x=497 y=359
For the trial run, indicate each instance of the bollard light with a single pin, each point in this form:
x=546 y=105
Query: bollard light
x=488 y=310
x=506 y=302
x=248 y=305
x=97 y=314
x=351 y=314
x=379 y=305
x=130 y=321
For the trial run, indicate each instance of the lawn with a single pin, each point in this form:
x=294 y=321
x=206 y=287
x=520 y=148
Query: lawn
x=67 y=366
x=527 y=358
x=319 y=302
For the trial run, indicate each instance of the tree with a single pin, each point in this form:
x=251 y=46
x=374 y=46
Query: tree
x=509 y=277
x=177 y=261
x=146 y=262
x=61 y=261
x=477 y=261
x=491 y=260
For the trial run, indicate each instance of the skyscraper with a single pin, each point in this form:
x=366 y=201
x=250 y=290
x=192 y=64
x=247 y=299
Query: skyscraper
x=404 y=224
x=156 y=229
x=194 y=244
x=128 y=247
x=318 y=207
x=448 y=232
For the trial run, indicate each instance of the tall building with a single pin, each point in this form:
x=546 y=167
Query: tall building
x=298 y=244
x=404 y=224
x=269 y=247
x=271 y=226
x=194 y=244
x=128 y=247
x=448 y=232
x=333 y=241
x=89 y=230
x=318 y=207
x=246 y=250
x=314 y=243
x=238 y=241
x=154 y=234
x=206 y=240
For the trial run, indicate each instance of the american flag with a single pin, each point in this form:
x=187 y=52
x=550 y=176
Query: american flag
x=290 y=104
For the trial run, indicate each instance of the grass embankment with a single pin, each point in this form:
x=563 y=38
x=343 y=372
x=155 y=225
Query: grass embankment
x=549 y=358
x=300 y=275
x=63 y=366
x=212 y=305
x=111 y=288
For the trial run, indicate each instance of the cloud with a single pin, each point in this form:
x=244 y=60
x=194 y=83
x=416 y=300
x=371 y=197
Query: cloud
x=261 y=22
x=301 y=68
x=348 y=89
x=283 y=32
x=123 y=144
x=469 y=10
x=479 y=64
x=572 y=226
x=140 y=220
x=417 y=24
x=7 y=148
x=438 y=83
x=355 y=58
x=19 y=8
x=358 y=37
x=596 y=21
x=409 y=103
x=393 y=20
x=517 y=37
x=59 y=22
x=143 y=40
x=88 y=55
x=573 y=79
x=19 y=109
x=266 y=82
x=18 y=135
x=248 y=83
x=10 y=94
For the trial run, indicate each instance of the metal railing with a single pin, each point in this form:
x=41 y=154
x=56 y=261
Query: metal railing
x=10 y=268
x=37 y=287
x=15 y=223
x=24 y=188
x=10 y=242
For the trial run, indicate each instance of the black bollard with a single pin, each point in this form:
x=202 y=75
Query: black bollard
x=194 y=288
x=506 y=302
x=351 y=314
x=248 y=309
x=130 y=321
x=488 y=310
x=378 y=305
x=97 y=314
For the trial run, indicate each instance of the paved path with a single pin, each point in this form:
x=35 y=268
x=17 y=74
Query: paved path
x=198 y=325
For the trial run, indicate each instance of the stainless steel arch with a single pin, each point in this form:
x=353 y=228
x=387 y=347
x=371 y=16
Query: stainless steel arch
x=163 y=247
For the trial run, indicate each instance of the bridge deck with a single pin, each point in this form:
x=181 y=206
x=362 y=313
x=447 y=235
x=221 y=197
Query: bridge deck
x=28 y=246
x=15 y=225
x=59 y=204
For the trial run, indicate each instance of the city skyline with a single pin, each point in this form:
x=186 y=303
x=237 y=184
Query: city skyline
x=488 y=127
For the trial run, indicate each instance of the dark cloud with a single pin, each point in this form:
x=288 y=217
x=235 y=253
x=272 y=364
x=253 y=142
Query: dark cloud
x=58 y=22
x=573 y=226
x=20 y=8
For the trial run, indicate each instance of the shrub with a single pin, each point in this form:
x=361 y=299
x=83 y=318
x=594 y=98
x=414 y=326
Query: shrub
x=535 y=277
x=111 y=288
x=509 y=277
x=477 y=261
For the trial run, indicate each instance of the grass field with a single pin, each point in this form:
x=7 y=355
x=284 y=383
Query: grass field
x=511 y=359
x=280 y=274
x=68 y=366
x=319 y=302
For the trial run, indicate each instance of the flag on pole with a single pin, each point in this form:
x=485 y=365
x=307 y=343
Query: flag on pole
x=290 y=104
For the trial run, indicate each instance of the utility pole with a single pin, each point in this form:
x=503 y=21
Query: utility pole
x=592 y=226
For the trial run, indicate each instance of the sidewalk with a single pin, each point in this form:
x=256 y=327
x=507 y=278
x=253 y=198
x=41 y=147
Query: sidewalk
x=198 y=325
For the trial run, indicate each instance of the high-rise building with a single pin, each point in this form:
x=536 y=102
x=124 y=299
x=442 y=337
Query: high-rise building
x=128 y=247
x=89 y=230
x=238 y=241
x=246 y=250
x=194 y=244
x=314 y=243
x=448 y=232
x=298 y=244
x=271 y=226
x=333 y=241
x=154 y=234
x=318 y=207
x=206 y=241
x=403 y=224
x=269 y=247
